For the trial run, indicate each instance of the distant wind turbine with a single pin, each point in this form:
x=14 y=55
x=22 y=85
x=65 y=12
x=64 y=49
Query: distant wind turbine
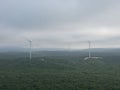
x=94 y=48
x=89 y=43
x=89 y=55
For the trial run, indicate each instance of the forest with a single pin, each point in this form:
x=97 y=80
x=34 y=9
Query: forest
x=59 y=70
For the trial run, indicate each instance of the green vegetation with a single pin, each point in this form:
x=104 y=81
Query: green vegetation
x=59 y=72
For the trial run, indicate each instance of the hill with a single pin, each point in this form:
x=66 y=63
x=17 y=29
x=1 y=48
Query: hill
x=59 y=71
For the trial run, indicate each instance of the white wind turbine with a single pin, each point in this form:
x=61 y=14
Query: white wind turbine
x=89 y=55
x=89 y=51
x=89 y=43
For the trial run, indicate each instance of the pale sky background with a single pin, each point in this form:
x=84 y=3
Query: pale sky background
x=60 y=23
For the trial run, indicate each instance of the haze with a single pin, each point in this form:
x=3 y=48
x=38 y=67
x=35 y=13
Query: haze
x=60 y=23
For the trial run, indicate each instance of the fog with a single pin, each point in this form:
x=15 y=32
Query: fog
x=60 y=23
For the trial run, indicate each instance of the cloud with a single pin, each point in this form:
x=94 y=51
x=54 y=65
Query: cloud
x=56 y=23
x=44 y=14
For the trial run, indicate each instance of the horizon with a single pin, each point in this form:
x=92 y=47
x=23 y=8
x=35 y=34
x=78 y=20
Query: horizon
x=23 y=49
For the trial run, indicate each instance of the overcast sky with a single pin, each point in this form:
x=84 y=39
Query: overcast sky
x=60 y=23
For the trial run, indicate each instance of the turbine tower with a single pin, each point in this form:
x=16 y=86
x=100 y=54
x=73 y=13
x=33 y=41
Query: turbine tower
x=30 y=49
x=89 y=53
x=94 y=48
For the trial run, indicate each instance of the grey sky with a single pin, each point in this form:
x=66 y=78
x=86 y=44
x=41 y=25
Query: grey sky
x=60 y=23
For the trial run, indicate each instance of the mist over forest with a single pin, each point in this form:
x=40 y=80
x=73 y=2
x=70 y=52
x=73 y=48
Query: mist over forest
x=59 y=44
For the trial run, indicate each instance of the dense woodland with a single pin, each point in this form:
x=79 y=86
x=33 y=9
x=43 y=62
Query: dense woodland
x=59 y=71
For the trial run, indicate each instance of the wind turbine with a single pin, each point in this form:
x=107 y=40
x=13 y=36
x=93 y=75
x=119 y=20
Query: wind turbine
x=89 y=55
x=95 y=57
x=89 y=43
x=94 y=46
x=89 y=51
